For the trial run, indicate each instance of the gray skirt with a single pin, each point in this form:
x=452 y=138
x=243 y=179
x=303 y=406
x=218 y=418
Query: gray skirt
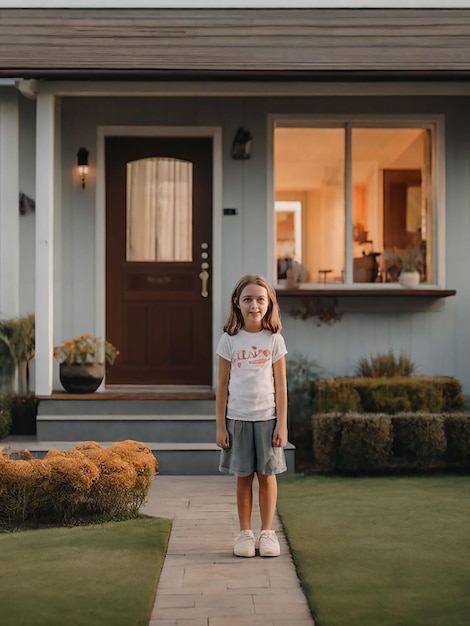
x=251 y=449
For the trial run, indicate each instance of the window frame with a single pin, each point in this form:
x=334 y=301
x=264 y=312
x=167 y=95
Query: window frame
x=433 y=122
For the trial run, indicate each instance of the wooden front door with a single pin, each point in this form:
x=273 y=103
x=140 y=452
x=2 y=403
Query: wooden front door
x=158 y=260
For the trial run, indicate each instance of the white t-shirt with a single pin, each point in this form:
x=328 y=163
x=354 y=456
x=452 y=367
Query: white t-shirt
x=251 y=385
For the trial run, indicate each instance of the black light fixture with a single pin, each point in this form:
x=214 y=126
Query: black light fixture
x=241 y=147
x=82 y=164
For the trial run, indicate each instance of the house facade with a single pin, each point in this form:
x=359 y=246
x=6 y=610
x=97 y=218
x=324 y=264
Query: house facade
x=320 y=147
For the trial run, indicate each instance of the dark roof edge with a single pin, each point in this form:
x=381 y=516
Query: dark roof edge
x=235 y=75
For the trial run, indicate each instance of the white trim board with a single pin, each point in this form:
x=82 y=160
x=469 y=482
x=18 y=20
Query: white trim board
x=243 y=89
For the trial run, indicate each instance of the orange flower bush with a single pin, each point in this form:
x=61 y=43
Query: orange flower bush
x=87 y=480
x=21 y=485
x=144 y=463
x=71 y=477
x=88 y=445
x=110 y=492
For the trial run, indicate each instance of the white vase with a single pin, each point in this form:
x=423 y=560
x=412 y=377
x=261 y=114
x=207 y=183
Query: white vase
x=409 y=279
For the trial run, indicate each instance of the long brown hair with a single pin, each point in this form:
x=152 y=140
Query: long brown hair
x=272 y=319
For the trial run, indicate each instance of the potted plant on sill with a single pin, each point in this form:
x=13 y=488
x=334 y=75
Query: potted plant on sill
x=411 y=263
x=82 y=362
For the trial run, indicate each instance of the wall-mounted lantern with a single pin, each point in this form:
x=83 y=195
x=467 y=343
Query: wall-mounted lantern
x=241 y=147
x=82 y=164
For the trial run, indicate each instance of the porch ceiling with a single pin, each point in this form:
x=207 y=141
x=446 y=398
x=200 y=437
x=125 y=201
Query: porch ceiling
x=240 y=44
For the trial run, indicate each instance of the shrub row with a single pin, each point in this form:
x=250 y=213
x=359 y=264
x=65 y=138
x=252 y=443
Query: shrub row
x=5 y=418
x=88 y=480
x=18 y=414
x=388 y=395
x=359 y=443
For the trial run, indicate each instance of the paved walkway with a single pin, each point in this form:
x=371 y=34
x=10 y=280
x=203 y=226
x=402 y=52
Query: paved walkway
x=202 y=583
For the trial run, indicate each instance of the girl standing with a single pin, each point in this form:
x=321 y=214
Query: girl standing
x=251 y=407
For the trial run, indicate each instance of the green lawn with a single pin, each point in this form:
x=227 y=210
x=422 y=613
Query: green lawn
x=391 y=551
x=97 y=575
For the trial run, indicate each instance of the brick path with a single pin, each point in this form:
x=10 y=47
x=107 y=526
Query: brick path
x=202 y=583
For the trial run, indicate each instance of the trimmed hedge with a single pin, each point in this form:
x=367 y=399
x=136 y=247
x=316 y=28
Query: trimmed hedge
x=419 y=438
x=388 y=395
x=326 y=439
x=336 y=395
x=351 y=442
x=18 y=414
x=365 y=442
x=5 y=418
x=24 y=409
x=457 y=432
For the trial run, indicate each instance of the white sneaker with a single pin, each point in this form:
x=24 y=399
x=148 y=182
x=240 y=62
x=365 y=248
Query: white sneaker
x=244 y=544
x=268 y=543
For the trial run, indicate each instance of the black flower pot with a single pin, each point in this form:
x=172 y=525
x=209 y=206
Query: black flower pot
x=81 y=378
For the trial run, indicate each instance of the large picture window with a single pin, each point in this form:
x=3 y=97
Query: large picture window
x=365 y=201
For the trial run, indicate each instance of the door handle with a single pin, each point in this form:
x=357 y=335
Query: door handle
x=204 y=276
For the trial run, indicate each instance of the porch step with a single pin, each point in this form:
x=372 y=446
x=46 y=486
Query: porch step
x=174 y=459
x=161 y=428
x=104 y=404
x=180 y=432
x=162 y=421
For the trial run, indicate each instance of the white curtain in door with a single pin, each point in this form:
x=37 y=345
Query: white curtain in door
x=159 y=210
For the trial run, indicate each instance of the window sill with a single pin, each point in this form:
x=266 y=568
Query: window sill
x=345 y=292
x=329 y=304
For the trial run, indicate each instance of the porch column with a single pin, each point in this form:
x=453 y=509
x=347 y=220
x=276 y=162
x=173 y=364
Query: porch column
x=45 y=139
x=9 y=205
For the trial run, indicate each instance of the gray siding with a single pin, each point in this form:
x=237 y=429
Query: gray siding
x=437 y=338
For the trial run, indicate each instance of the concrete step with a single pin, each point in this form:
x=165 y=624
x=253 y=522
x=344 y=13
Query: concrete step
x=180 y=431
x=192 y=459
x=161 y=428
x=124 y=406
